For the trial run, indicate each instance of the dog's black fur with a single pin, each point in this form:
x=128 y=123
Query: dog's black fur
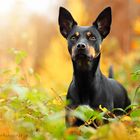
x=89 y=86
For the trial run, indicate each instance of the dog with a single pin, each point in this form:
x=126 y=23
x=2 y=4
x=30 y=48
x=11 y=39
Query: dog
x=89 y=86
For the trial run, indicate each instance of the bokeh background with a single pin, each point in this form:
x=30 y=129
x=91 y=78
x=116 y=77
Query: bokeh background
x=32 y=26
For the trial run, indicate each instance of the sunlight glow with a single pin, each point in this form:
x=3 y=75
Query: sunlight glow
x=17 y=18
x=38 y=6
x=42 y=7
x=28 y=7
x=6 y=6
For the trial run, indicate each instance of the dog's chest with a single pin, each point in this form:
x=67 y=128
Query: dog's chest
x=86 y=96
x=91 y=96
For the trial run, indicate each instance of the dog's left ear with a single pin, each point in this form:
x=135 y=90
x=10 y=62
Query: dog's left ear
x=103 y=22
x=66 y=21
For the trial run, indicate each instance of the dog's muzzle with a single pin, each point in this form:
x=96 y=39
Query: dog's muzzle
x=79 y=51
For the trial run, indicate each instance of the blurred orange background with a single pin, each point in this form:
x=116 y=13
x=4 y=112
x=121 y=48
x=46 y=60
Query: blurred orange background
x=32 y=25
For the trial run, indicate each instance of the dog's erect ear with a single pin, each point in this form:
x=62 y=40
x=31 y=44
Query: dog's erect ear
x=66 y=21
x=103 y=22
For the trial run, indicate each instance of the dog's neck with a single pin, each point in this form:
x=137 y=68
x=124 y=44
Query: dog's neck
x=84 y=75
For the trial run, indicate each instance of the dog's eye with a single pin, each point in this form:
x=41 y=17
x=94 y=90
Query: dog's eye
x=73 y=38
x=92 y=38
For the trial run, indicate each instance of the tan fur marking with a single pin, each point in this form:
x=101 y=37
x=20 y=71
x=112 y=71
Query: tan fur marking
x=100 y=47
x=92 y=52
x=72 y=120
x=77 y=34
x=73 y=51
x=88 y=34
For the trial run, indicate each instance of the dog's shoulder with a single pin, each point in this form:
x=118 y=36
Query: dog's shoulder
x=71 y=94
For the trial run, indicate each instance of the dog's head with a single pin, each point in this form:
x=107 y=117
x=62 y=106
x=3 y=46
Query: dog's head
x=84 y=42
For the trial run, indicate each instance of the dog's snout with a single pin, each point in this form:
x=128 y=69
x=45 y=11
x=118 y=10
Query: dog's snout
x=81 y=46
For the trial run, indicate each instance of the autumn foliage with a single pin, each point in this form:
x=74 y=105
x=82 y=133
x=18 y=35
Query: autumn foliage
x=36 y=71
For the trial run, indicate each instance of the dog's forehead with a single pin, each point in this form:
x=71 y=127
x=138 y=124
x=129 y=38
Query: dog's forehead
x=84 y=29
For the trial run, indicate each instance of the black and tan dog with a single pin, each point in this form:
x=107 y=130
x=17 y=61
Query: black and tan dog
x=89 y=86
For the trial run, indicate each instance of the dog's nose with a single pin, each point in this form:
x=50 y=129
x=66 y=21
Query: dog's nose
x=81 y=46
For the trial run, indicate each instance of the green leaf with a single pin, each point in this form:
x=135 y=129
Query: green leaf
x=119 y=109
x=19 y=55
x=135 y=113
x=71 y=137
x=84 y=112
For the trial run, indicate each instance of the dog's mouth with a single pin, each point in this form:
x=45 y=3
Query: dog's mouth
x=81 y=56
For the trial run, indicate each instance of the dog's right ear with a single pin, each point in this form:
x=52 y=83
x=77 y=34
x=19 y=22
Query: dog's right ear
x=66 y=21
